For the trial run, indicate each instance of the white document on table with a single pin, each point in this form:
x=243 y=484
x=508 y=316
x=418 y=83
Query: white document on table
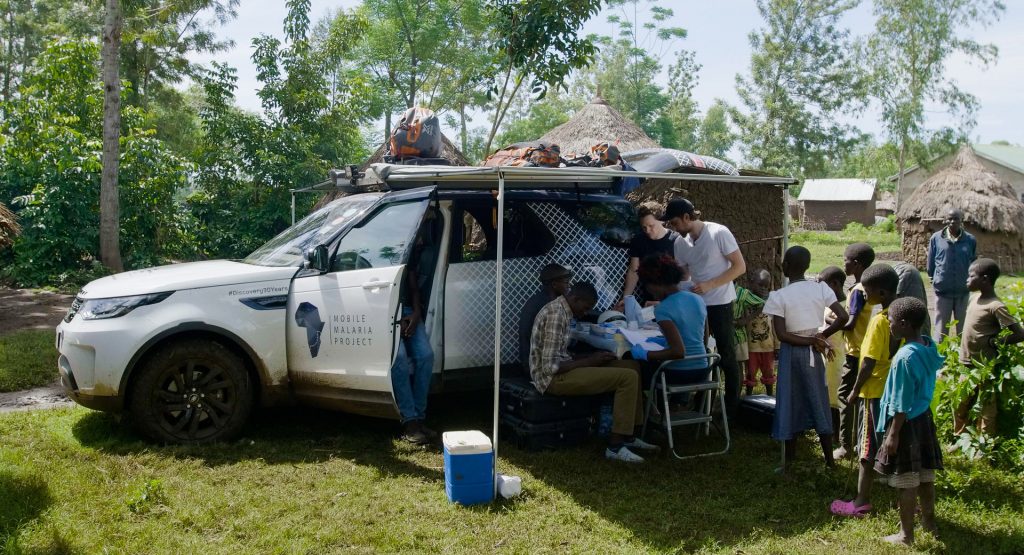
x=641 y=337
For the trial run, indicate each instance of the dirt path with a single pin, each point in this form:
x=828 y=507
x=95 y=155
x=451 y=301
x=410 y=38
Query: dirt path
x=32 y=309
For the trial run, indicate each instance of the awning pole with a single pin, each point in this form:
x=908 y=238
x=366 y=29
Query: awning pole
x=497 y=319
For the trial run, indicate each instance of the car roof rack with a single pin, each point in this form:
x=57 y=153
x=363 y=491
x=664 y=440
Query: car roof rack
x=395 y=177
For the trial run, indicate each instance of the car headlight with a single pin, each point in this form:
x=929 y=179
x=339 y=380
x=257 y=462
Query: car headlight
x=100 y=309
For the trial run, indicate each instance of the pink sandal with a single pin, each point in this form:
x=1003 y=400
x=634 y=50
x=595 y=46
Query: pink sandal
x=847 y=508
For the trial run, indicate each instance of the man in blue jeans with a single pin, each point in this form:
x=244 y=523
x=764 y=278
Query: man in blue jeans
x=951 y=251
x=414 y=363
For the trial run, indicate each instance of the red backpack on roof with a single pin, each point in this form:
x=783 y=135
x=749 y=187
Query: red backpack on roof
x=417 y=135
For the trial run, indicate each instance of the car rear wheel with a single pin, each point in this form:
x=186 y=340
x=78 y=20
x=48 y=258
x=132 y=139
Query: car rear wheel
x=191 y=391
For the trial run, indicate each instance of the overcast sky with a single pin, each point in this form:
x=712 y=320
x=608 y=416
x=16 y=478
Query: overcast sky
x=719 y=38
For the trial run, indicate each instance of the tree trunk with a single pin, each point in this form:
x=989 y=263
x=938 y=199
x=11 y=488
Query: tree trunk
x=387 y=124
x=110 y=250
x=463 y=135
x=899 y=170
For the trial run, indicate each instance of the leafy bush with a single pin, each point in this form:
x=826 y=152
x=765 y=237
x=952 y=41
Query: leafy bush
x=51 y=164
x=999 y=381
x=888 y=225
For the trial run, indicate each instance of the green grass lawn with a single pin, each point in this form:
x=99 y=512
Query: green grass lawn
x=827 y=247
x=28 y=359
x=300 y=481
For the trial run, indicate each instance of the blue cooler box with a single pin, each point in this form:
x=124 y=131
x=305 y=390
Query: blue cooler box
x=468 y=467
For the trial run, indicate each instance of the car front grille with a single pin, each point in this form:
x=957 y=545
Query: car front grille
x=75 y=306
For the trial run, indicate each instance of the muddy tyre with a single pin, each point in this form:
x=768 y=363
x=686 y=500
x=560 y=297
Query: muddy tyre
x=191 y=391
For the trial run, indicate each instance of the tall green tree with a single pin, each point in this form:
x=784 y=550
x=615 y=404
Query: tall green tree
x=51 y=163
x=681 y=111
x=159 y=37
x=26 y=26
x=801 y=78
x=627 y=70
x=716 y=137
x=248 y=162
x=908 y=51
x=536 y=43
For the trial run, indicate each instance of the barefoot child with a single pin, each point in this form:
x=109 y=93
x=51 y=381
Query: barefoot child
x=910 y=452
x=985 y=319
x=835 y=278
x=797 y=312
x=880 y=282
x=761 y=340
x=856 y=259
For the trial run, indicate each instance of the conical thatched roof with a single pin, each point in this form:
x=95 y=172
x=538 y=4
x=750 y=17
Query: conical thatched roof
x=985 y=201
x=595 y=123
x=9 y=228
x=448 y=151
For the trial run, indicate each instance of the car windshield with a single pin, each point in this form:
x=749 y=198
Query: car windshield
x=288 y=247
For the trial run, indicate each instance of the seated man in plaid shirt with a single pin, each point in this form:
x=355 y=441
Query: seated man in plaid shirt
x=555 y=371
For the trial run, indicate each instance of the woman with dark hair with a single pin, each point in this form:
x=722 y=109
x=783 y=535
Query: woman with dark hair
x=655 y=239
x=682 y=317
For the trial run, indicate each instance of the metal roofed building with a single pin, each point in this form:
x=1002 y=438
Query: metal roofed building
x=833 y=203
x=1005 y=161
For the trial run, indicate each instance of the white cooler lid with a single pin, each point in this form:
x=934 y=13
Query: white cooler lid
x=466 y=443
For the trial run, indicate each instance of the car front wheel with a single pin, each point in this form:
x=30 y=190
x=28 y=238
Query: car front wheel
x=191 y=391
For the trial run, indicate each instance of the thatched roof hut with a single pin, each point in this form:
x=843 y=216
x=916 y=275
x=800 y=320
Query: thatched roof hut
x=449 y=152
x=9 y=228
x=595 y=123
x=991 y=211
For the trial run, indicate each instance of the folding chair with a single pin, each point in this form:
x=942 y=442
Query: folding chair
x=702 y=417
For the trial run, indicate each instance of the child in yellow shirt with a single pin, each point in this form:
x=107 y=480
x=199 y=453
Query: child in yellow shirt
x=880 y=282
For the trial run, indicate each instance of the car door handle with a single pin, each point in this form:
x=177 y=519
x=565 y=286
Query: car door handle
x=376 y=284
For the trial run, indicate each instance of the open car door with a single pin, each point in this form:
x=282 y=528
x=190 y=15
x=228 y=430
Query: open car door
x=343 y=325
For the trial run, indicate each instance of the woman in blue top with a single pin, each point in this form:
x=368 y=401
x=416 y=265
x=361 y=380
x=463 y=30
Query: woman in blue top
x=682 y=317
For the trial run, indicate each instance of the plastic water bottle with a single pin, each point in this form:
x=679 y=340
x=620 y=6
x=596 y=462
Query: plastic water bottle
x=604 y=421
x=633 y=311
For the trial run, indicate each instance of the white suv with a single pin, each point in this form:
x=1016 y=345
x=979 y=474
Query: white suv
x=187 y=350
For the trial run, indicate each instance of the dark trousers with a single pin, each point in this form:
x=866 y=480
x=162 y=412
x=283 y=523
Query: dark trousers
x=847 y=413
x=720 y=320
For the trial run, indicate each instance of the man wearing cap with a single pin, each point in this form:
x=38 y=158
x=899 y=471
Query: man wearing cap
x=714 y=258
x=554 y=282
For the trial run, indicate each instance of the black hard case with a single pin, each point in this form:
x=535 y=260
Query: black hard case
x=545 y=435
x=757 y=412
x=521 y=400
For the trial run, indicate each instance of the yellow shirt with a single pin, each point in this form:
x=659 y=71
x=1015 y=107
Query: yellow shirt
x=855 y=337
x=876 y=346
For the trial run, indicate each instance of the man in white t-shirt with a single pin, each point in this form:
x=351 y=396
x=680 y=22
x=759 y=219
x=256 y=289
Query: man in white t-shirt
x=715 y=260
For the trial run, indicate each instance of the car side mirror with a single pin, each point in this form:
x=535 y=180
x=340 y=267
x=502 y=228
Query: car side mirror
x=318 y=259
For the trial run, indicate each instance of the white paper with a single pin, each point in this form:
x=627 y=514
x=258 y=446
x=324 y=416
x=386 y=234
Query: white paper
x=641 y=337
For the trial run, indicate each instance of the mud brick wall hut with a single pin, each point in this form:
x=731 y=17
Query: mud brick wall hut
x=754 y=212
x=449 y=152
x=837 y=202
x=992 y=212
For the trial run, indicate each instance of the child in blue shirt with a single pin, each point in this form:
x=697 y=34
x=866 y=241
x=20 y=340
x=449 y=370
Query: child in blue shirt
x=910 y=452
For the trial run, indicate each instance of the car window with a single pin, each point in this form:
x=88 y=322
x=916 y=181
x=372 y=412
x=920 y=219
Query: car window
x=381 y=241
x=288 y=248
x=526 y=234
x=613 y=222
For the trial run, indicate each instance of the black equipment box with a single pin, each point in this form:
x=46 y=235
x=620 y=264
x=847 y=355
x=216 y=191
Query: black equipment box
x=757 y=412
x=519 y=399
x=545 y=435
